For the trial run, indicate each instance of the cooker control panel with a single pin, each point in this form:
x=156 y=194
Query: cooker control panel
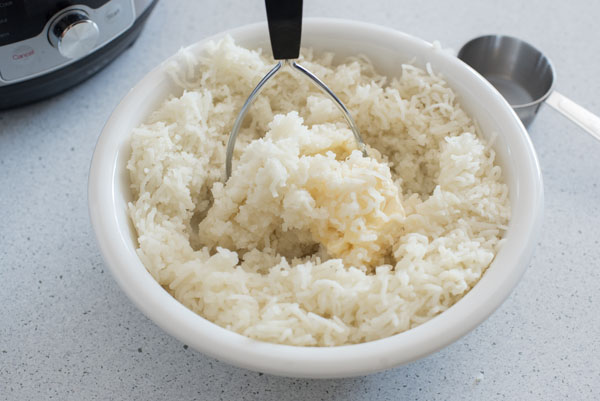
x=69 y=35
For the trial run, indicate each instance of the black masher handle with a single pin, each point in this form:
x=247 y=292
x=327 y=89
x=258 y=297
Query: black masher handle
x=285 y=27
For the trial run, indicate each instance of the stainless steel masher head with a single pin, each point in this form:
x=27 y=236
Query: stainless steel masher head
x=285 y=31
x=525 y=77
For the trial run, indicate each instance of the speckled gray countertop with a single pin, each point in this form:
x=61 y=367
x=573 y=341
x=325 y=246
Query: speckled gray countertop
x=67 y=332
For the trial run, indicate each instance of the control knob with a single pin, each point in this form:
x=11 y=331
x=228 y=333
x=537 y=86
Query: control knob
x=74 y=34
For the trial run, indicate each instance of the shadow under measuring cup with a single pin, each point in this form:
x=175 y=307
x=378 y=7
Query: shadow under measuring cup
x=525 y=77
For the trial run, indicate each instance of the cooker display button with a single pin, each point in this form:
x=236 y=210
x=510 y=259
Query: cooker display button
x=22 y=55
x=112 y=13
x=5 y=6
x=74 y=34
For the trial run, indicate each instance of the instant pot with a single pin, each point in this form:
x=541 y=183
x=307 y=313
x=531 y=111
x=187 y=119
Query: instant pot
x=48 y=46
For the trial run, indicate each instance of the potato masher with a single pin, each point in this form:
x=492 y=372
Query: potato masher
x=285 y=30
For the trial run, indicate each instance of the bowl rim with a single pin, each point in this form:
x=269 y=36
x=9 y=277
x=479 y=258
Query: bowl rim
x=294 y=361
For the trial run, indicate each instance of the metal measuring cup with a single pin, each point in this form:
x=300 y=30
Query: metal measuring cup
x=525 y=77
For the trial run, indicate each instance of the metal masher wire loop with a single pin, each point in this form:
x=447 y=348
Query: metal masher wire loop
x=240 y=118
x=285 y=29
x=359 y=141
x=246 y=107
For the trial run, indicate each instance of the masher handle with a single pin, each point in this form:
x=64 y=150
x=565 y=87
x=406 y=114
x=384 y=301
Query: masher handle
x=285 y=27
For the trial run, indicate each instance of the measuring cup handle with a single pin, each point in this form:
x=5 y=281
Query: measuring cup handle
x=285 y=27
x=576 y=113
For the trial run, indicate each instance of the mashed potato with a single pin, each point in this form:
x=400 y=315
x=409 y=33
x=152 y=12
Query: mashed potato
x=309 y=242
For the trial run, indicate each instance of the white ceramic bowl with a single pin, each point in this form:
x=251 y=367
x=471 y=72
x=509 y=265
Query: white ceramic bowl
x=109 y=193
